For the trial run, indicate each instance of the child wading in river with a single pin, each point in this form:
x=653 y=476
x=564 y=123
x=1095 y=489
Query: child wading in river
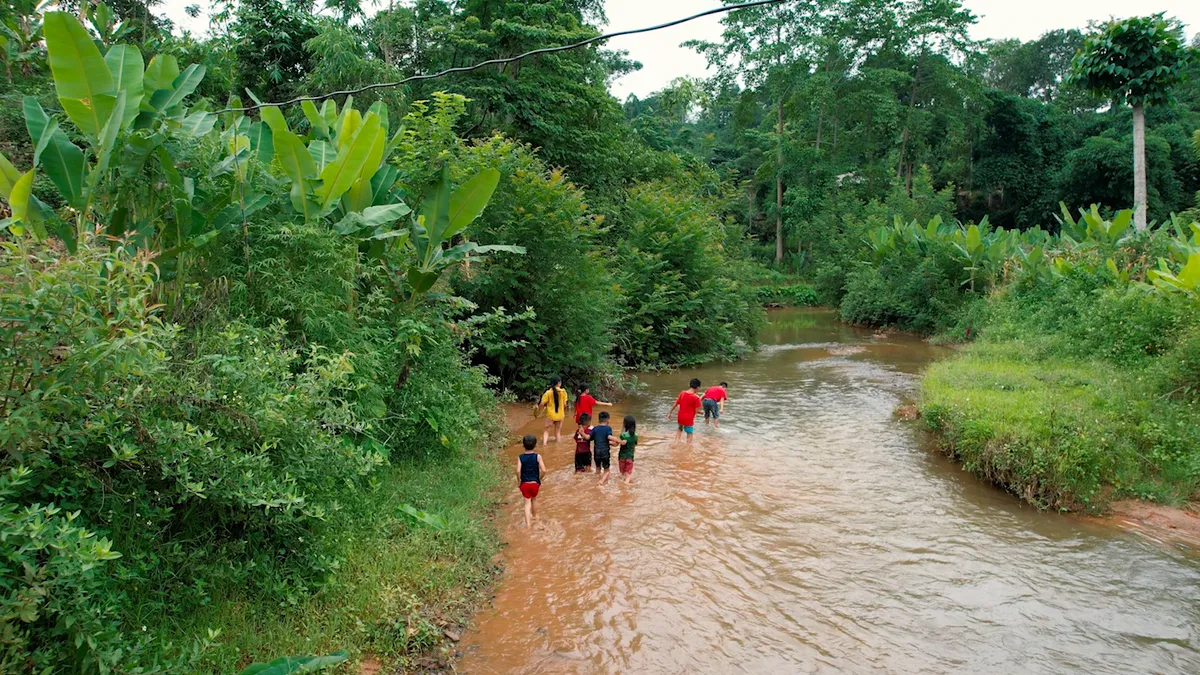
x=629 y=441
x=714 y=403
x=585 y=402
x=555 y=403
x=602 y=454
x=583 y=444
x=688 y=403
x=530 y=469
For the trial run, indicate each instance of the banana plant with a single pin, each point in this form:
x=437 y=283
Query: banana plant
x=339 y=170
x=1186 y=280
x=21 y=36
x=1186 y=241
x=1091 y=230
x=444 y=215
x=126 y=111
x=972 y=250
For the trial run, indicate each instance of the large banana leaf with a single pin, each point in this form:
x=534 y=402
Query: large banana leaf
x=198 y=123
x=341 y=173
x=125 y=64
x=380 y=108
x=468 y=201
x=329 y=110
x=8 y=176
x=348 y=126
x=262 y=141
x=22 y=203
x=59 y=157
x=81 y=77
x=320 y=127
x=322 y=153
x=274 y=119
x=108 y=142
x=382 y=183
x=372 y=218
x=470 y=248
x=181 y=87
x=161 y=73
x=297 y=163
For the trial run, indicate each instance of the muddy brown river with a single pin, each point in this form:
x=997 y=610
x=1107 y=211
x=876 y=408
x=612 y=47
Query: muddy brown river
x=814 y=532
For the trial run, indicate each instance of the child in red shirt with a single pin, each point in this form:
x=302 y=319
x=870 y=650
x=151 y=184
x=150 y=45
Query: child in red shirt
x=714 y=403
x=688 y=403
x=585 y=402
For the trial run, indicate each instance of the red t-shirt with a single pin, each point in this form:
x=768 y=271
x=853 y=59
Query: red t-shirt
x=585 y=405
x=582 y=444
x=688 y=403
x=716 y=394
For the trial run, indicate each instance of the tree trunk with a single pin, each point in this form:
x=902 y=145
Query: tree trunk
x=912 y=103
x=1139 y=167
x=820 y=126
x=779 y=181
x=750 y=205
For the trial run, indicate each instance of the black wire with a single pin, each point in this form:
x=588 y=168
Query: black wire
x=477 y=66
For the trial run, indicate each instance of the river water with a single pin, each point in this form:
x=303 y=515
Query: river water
x=814 y=532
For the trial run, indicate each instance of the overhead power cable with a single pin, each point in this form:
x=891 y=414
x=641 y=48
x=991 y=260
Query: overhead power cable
x=511 y=59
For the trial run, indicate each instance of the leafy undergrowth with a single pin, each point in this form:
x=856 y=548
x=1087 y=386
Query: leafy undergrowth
x=788 y=295
x=1063 y=434
x=402 y=587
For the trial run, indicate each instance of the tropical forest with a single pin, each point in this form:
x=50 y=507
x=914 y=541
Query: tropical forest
x=280 y=287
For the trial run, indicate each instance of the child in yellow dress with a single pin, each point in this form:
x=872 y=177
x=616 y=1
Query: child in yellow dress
x=555 y=403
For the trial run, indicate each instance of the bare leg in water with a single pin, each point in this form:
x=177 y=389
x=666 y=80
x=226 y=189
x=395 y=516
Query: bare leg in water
x=530 y=512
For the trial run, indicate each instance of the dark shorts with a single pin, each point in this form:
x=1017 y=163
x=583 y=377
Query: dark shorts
x=529 y=490
x=625 y=465
x=603 y=463
x=711 y=408
x=583 y=461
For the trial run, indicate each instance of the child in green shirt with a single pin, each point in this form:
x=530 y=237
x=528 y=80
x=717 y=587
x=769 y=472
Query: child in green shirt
x=629 y=441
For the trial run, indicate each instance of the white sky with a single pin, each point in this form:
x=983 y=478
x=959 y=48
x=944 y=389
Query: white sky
x=663 y=59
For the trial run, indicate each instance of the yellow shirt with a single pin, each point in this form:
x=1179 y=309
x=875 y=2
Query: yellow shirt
x=552 y=414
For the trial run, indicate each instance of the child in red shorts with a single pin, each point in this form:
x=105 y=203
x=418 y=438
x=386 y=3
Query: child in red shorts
x=530 y=469
x=629 y=441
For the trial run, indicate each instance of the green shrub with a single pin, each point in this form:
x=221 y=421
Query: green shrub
x=679 y=302
x=911 y=292
x=788 y=295
x=830 y=283
x=560 y=277
x=1061 y=433
x=1178 y=371
x=1089 y=314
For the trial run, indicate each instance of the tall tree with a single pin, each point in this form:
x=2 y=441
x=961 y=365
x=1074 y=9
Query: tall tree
x=766 y=47
x=1136 y=61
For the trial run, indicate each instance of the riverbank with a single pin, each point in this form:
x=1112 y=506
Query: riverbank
x=1062 y=433
x=400 y=599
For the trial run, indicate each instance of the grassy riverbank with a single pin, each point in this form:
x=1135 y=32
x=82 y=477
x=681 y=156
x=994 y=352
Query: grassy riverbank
x=1081 y=389
x=402 y=587
x=1062 y=433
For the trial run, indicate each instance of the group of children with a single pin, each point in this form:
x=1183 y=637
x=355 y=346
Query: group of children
x=593 y=444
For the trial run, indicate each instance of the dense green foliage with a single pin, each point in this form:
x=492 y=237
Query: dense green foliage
x=239 y=343
x=253 y=354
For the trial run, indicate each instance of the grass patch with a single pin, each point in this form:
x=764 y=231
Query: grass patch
x=400 y=586
x=1062 y=434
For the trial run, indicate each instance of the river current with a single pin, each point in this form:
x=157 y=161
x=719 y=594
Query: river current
x=815 y=532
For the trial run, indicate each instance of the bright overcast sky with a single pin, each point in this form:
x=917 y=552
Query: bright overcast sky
x=663 y=59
